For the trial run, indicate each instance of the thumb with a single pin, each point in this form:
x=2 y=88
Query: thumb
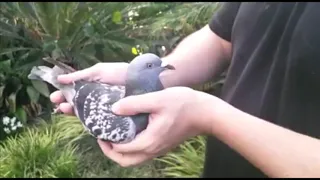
x=131 y=105
x=86 y=74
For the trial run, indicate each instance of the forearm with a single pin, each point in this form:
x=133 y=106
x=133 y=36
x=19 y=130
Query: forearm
x=276 y=151
x=198 y=58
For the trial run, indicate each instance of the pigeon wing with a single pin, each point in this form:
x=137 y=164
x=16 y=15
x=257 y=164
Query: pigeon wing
x=93 y=102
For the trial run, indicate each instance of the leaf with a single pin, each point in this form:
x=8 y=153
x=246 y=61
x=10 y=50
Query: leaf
x=41 y=87
x=56 y=53
x=11 y=50
x=134 y=51
x=1 y=90
x=89 y=50
x=1 y=94
x=21 y=115
x=33 y=94
x=88 y=30
x=5 y=65
x=11 y=102
x=116 y=17
x=48 y=46
x=11 y=99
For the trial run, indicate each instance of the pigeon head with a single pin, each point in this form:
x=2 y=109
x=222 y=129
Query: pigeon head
x=143 y=74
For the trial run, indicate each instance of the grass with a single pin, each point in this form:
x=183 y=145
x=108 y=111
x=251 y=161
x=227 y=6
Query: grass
x=62 y=148
x=59 y=149
x=36 y=154
x=187 y=161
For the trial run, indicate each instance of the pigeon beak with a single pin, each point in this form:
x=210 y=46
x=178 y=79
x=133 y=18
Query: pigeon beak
x=165 y=65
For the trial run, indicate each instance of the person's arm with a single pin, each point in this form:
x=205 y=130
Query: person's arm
x=277 y=151
x=203 y=55
x=199 y=57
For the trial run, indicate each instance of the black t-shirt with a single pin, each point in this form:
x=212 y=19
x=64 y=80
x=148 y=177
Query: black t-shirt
x=274 y=72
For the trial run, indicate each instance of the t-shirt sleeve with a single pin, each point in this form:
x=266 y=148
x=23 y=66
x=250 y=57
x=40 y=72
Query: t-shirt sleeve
x=222 y=21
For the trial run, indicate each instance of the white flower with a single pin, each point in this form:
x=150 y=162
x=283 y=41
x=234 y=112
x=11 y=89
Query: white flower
x=130 y=13
x=7 y=130
x=13 y=121
x=19 y=124
x=133 y=13
x=14 y=128
x=6 y=120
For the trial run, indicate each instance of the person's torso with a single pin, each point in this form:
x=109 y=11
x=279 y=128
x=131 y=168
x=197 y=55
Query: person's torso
x=274 y=74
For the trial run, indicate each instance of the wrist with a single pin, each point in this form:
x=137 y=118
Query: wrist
x=212 y=111
x=203 y=113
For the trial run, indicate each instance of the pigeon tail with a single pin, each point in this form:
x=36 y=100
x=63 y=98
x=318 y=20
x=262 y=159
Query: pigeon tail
x=49 y=75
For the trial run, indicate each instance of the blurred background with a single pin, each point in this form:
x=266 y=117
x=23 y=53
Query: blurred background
x=36 y=143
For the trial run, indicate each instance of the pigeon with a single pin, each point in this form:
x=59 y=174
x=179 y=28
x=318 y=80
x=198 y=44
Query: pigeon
x=92 y=100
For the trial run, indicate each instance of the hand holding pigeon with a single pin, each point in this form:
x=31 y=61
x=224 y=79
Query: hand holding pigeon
x=176 y=114
x=92 y=101
x=106 y=73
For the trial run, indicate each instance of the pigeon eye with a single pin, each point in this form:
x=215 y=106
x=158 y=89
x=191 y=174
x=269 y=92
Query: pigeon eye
x=149 y=65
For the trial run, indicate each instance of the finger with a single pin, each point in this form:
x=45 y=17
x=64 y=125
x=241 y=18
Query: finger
x=87 y=74
x=124 y=160
x=66 y=108
x=146 y=103
x=57 y=97
x=140 y=143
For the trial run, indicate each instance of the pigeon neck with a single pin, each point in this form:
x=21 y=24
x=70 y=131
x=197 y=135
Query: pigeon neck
x=142 y=87
x=130 y=91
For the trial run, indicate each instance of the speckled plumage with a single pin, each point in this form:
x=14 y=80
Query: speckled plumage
x=93 y=103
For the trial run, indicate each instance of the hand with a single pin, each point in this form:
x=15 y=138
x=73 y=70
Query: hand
x=113 y=73
x=177 y=114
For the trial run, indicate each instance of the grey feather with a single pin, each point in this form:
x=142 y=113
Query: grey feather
x=92 y=101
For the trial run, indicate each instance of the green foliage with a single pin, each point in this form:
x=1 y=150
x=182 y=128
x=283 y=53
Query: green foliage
x=187 y=161
x=166 y=24
x=61 y=148
x=19 y=97
x=183 y=18
x=80 y=33
x=43 y=152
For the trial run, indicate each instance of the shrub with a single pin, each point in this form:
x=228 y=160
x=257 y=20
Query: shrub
x=47 y=151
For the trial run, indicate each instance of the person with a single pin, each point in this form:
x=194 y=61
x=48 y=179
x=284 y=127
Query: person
x=265 y=124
